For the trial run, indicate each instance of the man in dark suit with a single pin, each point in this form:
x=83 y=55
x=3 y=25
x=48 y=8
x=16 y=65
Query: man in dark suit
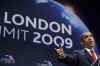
x=85 y=57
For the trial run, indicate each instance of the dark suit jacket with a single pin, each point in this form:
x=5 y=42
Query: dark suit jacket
x=78 y=58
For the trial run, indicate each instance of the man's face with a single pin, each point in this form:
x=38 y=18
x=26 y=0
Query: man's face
x=87 y=39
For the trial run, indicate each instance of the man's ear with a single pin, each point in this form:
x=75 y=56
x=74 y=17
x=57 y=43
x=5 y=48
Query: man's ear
x=81 y=42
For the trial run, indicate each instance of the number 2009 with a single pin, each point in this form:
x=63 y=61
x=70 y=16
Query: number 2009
x=52 y=40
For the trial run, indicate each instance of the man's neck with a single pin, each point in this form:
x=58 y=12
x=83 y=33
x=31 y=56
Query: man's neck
x=89 y=47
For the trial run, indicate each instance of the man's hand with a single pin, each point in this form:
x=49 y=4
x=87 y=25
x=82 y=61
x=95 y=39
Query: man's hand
x=60 y=51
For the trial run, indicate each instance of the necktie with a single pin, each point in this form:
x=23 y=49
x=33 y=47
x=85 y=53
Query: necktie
x=93 y=55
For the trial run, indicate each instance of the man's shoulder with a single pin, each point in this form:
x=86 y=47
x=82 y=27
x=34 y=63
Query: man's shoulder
x=80 y=52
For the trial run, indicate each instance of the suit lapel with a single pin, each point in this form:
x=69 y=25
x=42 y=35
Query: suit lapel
x=88 y=56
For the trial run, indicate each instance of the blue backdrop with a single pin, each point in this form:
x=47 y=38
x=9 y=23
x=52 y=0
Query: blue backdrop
x=31 y=29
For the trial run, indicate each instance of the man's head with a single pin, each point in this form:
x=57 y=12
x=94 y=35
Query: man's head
x=87 y=40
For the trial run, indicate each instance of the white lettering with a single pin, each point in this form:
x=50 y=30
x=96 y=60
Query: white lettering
x=18 y=34
x=58 y=38
x=37 y=23
x=12 y=32
x=45 y=40
x=14 y=18
x=43 y=24
x=68 y=42
x=5 y=18
x=55 y=27
x=24 y=31
x=68 y=30
x=29 y=21
x=36 y=39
